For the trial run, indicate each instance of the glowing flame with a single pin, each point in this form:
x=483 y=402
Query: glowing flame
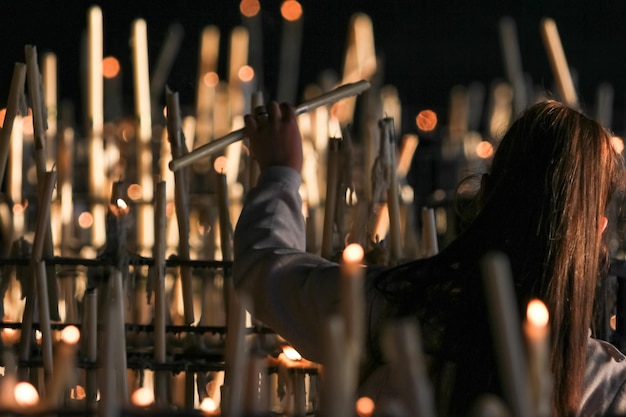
x=291 y=10
x=208 y=405
x=291 y=353
x=70 y=334
x=537 y=313
x=484 y=149
x=211 y=79
x=110 y=67
x=134 y=192
x=121 y=204
x=25 y=394
x=426 y=120
x=3 y=114
x=142 y=397
x=220 y=164
x=364 y=407
x=246 y=73
x=78 y=393
x=249 y=8
x=353 y=253
x=85 y=220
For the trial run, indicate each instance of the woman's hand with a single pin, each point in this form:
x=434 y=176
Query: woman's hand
x=274 y=136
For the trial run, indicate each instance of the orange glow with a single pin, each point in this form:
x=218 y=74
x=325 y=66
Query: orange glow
x=220 y=164
x=291 y=10
x=10 y=336
x=29 y=129
x=142 y=397
x=211 y=79
x=110 y=67
x=70 y=335
x=537 y=313
x=134 y=192
x=484 y=150
x=25 y=394
x=19 y=208
x=353 y=253
x=364 y=407
x=3 y=114
x=246 y=73
x=249 y=8
x=208 y=405
x=291 y=353
x=85 y=220
x=426 y=120
x=78 y=393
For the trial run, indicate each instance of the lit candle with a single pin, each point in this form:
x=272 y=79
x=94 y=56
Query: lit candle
x=95 y=118
x=238 y=57
x=64 y=374
x=537 y=332
x=141 y=79
x=393 y=201
x=235 y=355
x=337 y=390
x=352 y=310
x=513 y=62
x=210 y=407
x=25 y=395
x=142 y=397
x=558 y=62
x=365 y=407
x=505 y=324
x=224 y=213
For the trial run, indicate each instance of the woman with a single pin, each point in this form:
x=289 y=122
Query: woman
x=543 y=204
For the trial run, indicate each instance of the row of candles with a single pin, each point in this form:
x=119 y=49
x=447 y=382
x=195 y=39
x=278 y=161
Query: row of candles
x=110 y=222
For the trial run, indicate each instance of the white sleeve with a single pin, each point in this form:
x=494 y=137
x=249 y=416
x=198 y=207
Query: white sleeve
x=292 y=291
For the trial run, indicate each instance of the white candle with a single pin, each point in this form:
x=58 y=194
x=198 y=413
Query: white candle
x=206 y=83
x=90 y=330
x=159 y=291
x=181 y=203
x=145 y=213
x=513 y=61
x=429 y=233
x=337 y=391
x=537 y=335
x=505 y=325
x=290 y=49
x=332 y=185
x=95 y=117
x=558 y=62
x=64 y=366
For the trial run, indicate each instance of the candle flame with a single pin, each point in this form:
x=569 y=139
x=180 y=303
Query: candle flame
x=85 y=220
x=208 y=405
x=211 y=79
x=220 y=164
x=537 y=313
x=78 y=393
x=484 y=149
x=70 y=335
x=291 y=10
x=134 y=192
x=20 y=208
x=110 y=67
x=9 y=336
x=121 y=204
x=3 y=114
x=426 y=120
x=142 y=397
x=353 y=253
x=25 y=394
x=246 y=73
x=291 y=353
x=364 y=407
x=249 y=8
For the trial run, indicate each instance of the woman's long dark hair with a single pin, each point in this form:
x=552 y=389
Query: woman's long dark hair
x=542 y=205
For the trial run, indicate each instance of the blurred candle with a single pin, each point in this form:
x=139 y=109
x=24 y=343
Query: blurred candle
x=536 y=331
x=25 y=395
x=141 y=78
x=558 y=62
x=207 y=81
x=65 y=359
x=290 y=49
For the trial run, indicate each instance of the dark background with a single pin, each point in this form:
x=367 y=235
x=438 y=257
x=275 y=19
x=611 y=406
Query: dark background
x=427 y=46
